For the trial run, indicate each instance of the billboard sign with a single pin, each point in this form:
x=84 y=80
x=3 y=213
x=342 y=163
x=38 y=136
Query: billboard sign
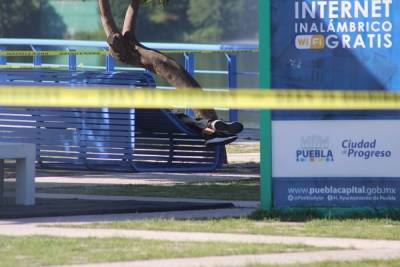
x=336 y=162
x=335 y=158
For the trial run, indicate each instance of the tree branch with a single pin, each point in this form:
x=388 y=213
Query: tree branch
x=107 y=18
x=130 y=20
x=128 y=50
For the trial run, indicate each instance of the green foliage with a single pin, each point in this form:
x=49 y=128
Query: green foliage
x=155 y=22
x=222 y=20
x=18 y=18
x=180 y=21
x=155 y=2
x=194 y=20
x=23 y=18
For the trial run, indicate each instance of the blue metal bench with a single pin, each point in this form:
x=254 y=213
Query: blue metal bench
x=103 y=138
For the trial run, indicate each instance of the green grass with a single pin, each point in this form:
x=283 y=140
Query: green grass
x=350 y=228
x=241 y=167
x=243 y=148
x=42 y=250
x=229 y=190
x=307 y=214
x=369 y=263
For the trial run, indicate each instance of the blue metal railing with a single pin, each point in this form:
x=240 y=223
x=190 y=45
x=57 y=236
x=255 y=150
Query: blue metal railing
x=188 y=51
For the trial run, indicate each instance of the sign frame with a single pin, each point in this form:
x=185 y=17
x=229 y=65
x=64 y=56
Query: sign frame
x=266 y=197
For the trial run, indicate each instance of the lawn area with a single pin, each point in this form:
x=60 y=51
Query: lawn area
x=44 y=251
x=228 y=190
x=245 y=189
x=351 y=228
x=237 y=148
x=380 y=263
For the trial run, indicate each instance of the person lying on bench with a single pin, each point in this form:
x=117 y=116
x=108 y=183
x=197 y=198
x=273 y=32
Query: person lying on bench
x=125 y=48
x=214 y=130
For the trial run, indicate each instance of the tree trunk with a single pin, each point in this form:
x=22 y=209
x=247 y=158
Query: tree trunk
x=125 y=48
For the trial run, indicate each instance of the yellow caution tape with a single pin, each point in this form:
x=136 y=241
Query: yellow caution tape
x=31 y=67
x=118 y=97
x=226 y=51
x=28 y=53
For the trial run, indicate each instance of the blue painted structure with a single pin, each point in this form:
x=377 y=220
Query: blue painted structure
x=231 y=71
x=103 y=138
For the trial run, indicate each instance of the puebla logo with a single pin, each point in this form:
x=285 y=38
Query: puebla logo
x=314 y=148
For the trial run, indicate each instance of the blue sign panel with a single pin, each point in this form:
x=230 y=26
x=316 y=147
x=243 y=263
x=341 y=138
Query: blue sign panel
x=343 y=192
x=335 y=44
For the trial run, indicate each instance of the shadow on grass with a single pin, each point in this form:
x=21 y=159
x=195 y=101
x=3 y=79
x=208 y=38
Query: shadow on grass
x=247 y=189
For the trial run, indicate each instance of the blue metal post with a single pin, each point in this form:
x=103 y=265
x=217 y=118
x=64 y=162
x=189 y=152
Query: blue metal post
x=110 y=65
x=189 y=63
x=72 y=61
x=232 y=81
x=37 y=59
x=3 y=59
x=189 y=66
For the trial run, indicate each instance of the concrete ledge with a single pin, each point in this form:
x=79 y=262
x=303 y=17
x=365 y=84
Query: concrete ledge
x=25 y=156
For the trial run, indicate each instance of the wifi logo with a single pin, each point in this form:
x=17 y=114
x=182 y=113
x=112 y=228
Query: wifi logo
x=310 y=42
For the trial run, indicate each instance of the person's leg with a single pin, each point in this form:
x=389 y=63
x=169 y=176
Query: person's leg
x=211 y=118
x=197 y=124
x=211 y=137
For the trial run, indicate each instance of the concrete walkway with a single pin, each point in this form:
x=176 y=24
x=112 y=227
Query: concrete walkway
x=346 y=249
x=270 y=259
x=342 y=243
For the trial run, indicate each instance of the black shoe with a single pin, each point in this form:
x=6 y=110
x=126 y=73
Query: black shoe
x=215 y=140
x=220 y=126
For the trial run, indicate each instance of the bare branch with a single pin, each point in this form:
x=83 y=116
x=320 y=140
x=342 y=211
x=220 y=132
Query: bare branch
x=130 y=20
x=165 y=67
x=107 y=18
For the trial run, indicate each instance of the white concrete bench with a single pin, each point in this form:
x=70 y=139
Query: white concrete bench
x=24 y=154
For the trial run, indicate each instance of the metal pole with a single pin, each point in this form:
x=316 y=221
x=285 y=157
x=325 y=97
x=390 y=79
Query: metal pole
x=232 y=81
x=189 y=66
x=3 y=59
x=37 y=59
x=72 y=61
x=110 y=65
x=266 y=194
x=2 y=181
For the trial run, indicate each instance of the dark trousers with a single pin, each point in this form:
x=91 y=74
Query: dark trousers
x=197 y=124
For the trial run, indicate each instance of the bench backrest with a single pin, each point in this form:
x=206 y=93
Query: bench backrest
x=65 y=77
x=103 y=138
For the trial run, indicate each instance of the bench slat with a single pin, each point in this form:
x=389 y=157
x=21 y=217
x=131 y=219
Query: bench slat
x=102 y=138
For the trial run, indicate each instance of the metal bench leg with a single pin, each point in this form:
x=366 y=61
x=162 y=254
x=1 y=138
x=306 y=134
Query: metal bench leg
x=1 y=181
